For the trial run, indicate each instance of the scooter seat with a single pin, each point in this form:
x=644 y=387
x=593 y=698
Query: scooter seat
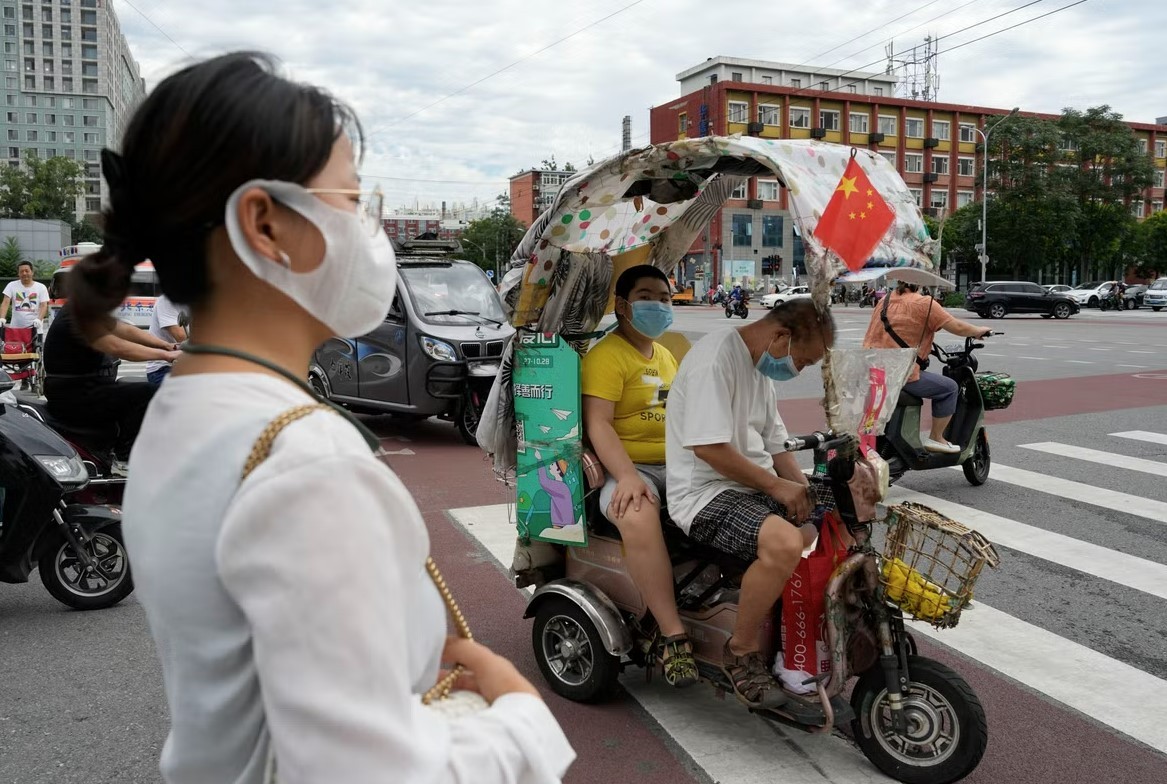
x=908 y=399
x=96 y=433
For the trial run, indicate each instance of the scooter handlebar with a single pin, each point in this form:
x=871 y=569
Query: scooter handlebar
x=812 y=441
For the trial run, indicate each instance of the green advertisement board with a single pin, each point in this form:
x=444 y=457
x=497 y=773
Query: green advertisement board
x=549 y=477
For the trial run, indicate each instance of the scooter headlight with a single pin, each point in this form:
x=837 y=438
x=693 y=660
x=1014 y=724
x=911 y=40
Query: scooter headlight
x=66 y=470
x=439 y=350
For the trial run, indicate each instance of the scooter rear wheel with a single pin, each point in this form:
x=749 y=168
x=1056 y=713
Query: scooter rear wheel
x=946 y=731
x=976 y=468
x=571 y=654
x=64 y=575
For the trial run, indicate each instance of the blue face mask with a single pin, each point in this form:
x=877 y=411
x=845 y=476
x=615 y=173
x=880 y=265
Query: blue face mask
x=782 y=369
x=651 y=319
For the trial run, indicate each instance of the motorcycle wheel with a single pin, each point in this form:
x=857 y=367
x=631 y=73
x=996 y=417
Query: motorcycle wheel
x=976 y=468
x=467 y=420
x=745 y=312
x=947 y=731
x=570 y=653
x=728 y=313
x=64 y=576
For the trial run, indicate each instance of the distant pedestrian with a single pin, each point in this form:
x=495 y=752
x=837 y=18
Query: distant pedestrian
x=165 y=324
x=28 y=299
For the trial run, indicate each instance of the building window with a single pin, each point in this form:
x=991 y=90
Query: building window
x=29 y=64
x=47 y=48
x=11 y=82
x=713 y=79
x=66 y=50
x=92 y=138
x=50 y=136
x=69 y=120
x=1137 y=209
x=968 y=132
x=93 y=103
x=13 y=152
x=13 y=117
x=851 y=88
x=47 y=66
x=940 y=164
x=963 y=198
x=682 y=122
x=739 y=112
x=31 y=118
x=46 y=31
x=914 y=162
x=70 y=136
x=1156 y=206
x=1068 y=145
x=26 y=12
x=89 y=51
x=735 y=76
x=89 y=121
x=878 y=91
x=9 y=12
x=1143 y=146
x=799 y=117
x=829 y=119
x=50 y=83
x=768 y=190
x=13 y=135
x=67 y=103
x=767 y=80
x=918 y=195
x=938 y=199
x=9 y=65
x=91 y=155
x=888 y=125
x=942 y=129
x=1158 y=178
x=89 y=17
x=772 y=231
x=30 y=82
x=46 y=14
x=889 y=155
x=743 y=231
x=1161 y=148
x=66 y=32
x=966 y=167
x=824 y=85
x=739 y=192
x=796 y=83
x=93 y=205
x=66 y=15
x=51 y=153
x=914 y=128
x=768 y=114
x=67 y=67
x=89 y=86
x=859 y=122
x=30 y=136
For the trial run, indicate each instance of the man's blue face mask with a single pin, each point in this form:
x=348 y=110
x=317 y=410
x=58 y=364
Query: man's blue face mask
x=774 y=369
x=651 y=319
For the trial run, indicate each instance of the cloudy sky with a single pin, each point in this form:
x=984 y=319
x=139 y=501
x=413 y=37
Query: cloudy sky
x=394 y=60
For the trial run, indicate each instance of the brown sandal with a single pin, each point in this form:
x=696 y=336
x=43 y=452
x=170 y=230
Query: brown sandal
x=676 y=655
x=752 y=682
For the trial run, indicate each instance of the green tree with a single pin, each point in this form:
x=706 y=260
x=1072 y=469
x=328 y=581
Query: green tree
x=85 y=230
x=10 y=257
x=41 y=188
x=549 y=164
x=489 y=240
x=1152 y=245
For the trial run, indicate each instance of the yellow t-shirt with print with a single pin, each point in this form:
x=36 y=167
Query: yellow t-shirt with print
x=614 y=370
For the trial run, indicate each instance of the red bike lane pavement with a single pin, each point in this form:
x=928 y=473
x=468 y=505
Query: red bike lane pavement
x=1033 y=740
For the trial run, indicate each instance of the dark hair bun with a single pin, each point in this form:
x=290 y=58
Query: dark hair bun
x=98 y=284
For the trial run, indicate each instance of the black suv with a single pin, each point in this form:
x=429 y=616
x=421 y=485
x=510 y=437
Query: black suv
x=996 y=299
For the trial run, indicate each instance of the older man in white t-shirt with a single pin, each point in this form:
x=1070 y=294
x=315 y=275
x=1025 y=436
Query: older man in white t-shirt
x=28 y=299
x=731 y=484
x=165 y=324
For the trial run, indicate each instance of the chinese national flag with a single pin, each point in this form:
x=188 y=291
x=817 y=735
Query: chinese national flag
x=856 y=218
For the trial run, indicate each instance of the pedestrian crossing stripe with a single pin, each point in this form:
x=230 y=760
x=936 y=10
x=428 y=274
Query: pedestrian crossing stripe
x=1143 y=435
x=1076 y=491
x=1127 y=462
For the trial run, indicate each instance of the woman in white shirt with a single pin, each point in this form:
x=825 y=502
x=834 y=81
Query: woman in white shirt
x=292 y=612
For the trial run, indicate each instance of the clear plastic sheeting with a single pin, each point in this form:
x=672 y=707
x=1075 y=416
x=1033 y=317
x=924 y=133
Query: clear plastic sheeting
x=867 y=384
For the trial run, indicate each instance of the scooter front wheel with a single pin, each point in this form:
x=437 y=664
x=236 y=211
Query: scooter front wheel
x=976 y=468
x=571 y=654
x=67 y=578
x=946 y=731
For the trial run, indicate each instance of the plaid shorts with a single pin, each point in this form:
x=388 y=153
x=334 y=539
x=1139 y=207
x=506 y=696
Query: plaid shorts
x=731 y=522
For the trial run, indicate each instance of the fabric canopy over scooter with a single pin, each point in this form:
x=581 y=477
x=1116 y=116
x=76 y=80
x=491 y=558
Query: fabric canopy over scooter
x=648 y=206
x=915 y=275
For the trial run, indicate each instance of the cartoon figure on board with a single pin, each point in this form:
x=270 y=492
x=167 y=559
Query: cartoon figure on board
x=553 y=481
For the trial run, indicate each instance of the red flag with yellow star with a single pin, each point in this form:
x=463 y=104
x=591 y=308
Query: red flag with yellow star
x=856 y=218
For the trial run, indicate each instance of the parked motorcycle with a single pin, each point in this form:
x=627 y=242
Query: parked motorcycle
x=47 y=521
x=916 y=719
x=900 y=445
x=736 y=307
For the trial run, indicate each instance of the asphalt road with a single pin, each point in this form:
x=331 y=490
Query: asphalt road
x=1067 y=647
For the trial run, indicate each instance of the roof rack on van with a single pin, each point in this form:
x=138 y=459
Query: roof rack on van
x=430 y=248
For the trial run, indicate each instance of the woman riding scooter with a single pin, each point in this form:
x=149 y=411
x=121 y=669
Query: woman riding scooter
x=625 y=383
x=905 y=317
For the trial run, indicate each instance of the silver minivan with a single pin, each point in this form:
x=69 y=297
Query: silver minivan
x=1155 y=296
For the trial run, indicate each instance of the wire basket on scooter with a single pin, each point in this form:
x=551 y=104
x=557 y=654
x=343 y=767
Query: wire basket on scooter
x=931 y=562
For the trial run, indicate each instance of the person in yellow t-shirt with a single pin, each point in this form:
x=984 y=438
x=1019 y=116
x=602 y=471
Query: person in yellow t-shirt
x=625 y=384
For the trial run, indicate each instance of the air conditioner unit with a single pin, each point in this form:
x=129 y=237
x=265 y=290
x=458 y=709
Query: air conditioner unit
x=931 y=142
x=754 y=204
x=818 y=133
x=876 y=137
x=755 y=128
x=931 y=177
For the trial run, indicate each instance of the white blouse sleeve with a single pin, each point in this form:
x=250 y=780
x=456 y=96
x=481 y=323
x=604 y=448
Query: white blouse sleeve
x=316 y=556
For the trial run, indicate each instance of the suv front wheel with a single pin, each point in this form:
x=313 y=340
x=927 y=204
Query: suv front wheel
x=997 y=310
x=1061 y=311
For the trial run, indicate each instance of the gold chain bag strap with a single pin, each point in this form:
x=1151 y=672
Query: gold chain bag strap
x=441 y=696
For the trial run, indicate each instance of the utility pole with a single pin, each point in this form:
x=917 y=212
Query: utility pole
x=984 y=248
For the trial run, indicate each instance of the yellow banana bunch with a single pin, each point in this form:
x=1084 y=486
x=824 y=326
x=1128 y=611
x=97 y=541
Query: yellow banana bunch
x=914 y=594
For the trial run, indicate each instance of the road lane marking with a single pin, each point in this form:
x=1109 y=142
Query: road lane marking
x=1142 y=435
x=1078 y=361
x=1098 y=456
x=725 y=741
x=1140 y=367
x=1057 y=347
x=1083 y=493
x=1102 y=562
x=1039 y=359
x=1140 y=352
x=1105 y=689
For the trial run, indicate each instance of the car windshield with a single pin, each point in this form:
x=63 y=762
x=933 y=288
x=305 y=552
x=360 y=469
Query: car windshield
x=1089 y=286
x=1160 y=284
x=452 y=294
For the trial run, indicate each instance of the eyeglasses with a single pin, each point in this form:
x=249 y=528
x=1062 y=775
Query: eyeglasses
x=371 y=204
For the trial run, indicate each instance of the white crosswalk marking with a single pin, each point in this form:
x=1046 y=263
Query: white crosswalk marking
x=1143 y=435
x=1138 y=573
x=1076 y=491
x=1098 y=456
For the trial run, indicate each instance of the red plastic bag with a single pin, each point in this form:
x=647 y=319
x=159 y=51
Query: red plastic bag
x=804 y=641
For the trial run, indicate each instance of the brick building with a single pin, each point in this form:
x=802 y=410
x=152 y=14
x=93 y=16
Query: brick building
x=409 y=227
x=533 y=191
x=935 y=147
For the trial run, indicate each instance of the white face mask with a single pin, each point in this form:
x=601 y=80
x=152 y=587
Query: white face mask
x=352 y=289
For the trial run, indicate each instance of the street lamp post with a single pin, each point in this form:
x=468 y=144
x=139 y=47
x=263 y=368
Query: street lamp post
x=485 y=255
x=985 y=192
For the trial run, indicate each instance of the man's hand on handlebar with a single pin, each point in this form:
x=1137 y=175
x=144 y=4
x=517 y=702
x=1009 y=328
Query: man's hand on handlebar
x=794 y=496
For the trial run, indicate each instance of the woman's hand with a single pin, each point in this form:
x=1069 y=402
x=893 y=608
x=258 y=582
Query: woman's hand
x=487 y=673
x=629 y=492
